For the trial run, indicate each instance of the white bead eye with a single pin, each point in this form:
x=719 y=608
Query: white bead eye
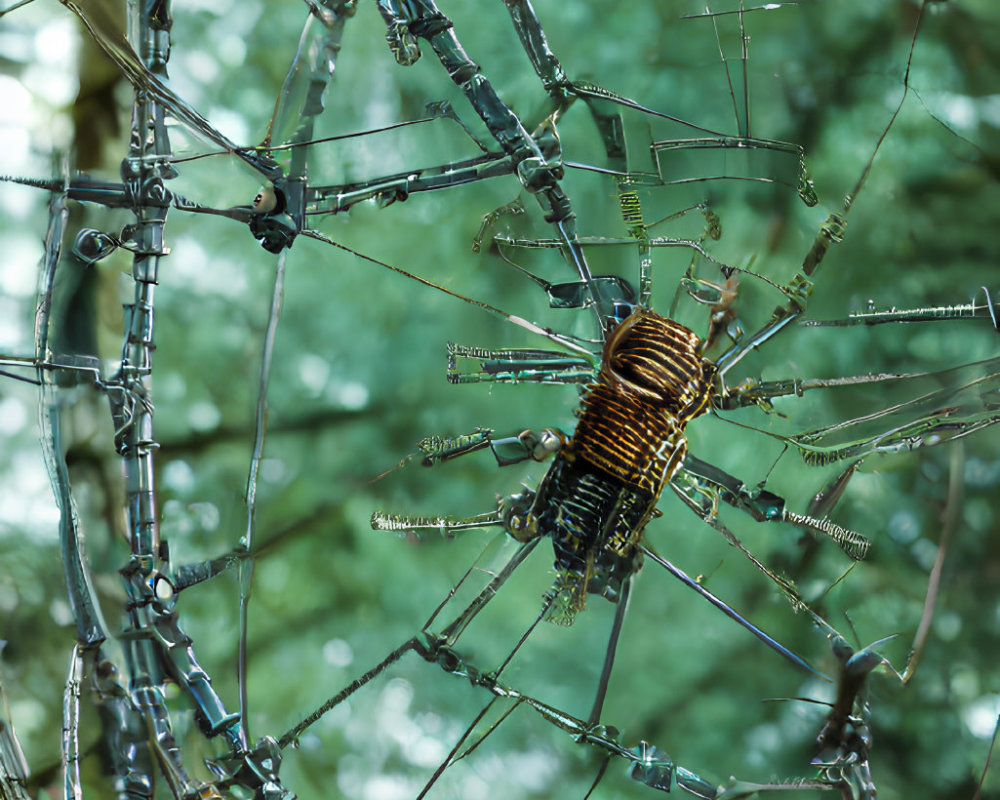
x=265 y=201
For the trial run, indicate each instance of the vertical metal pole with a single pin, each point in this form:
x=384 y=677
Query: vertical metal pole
x=156 y=648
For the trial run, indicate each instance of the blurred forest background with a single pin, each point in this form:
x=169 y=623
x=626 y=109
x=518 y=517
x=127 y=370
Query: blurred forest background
x=358 y=379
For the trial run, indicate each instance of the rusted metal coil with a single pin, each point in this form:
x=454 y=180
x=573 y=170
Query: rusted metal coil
x=652 y=381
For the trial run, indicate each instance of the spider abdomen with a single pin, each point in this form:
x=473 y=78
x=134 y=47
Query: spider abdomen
x=603 y=487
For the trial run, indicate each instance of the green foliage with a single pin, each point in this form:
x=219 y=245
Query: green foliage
x=358 y=379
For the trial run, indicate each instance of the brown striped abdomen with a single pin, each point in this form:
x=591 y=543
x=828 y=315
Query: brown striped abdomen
x=652 y=381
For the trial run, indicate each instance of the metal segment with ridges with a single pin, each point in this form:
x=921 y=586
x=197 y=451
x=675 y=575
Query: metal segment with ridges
x=653 y=380
x=657 y=358
x=581 y=514
x=628 y=438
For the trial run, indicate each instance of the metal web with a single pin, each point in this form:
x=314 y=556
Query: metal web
x=284 y=383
